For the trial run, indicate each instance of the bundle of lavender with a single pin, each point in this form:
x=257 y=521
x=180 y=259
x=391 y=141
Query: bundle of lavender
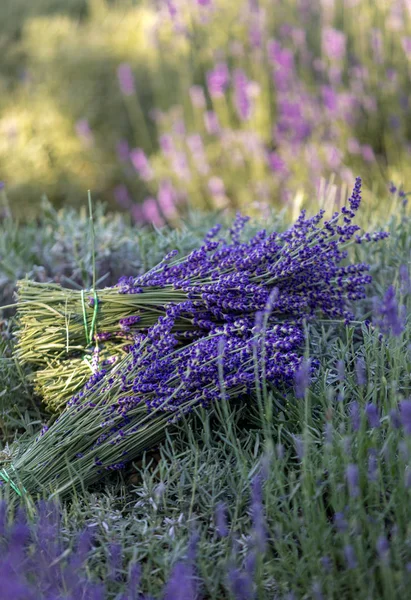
x=221 y=280
x=292 y=276
x=120 y=413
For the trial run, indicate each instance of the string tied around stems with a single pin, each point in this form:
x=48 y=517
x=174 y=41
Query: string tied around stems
x=6 y=477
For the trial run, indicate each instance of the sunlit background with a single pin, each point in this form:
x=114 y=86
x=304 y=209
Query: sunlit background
x=161 y=105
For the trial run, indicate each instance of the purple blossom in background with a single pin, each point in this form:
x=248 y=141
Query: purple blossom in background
x=167 y=199
x=240 y=584
x=84 y=132
x=367 y=153
x=276 y=163
x=333 y=43
x=151 y=212
x=134 y=582
x=373 y=417
x=122 y=196
x=141 y=164
x=388 y=314
x=353 y=146
x=353 y=480
x=197 y=96
x=241 y=95
x=330 y=98
x=217 y=80
x=350 y=557
x=182 y=584
x=354 y=411
x=126 y=79
x=405 y=415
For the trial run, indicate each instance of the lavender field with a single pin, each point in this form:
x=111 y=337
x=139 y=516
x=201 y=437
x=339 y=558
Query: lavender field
x=205 y=286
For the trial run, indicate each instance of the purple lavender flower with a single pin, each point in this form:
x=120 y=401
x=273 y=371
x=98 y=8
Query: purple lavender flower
x=353 y=480
x=276 y=163
x=167 y=199
x=141 y=164
x=389 y=316
x=182 y=584
x=340 y=522
x=151 y=212
x=333 y=43
x=126 y=79
x=405 y=415
x=217 y=80
x=373 y=417
x=241 y=585
x=367 y=153
x=330 y=98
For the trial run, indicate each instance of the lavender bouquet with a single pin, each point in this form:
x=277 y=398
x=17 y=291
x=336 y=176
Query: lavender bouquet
x=245 y=304
x=222 y=280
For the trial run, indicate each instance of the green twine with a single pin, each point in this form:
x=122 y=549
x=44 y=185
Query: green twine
x=5 y=476
x=89 y=335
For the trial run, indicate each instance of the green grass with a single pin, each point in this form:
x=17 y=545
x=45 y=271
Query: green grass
x=153 y=507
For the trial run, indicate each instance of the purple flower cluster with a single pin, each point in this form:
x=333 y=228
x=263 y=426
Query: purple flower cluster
x=223 y=280
x=389 y=316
